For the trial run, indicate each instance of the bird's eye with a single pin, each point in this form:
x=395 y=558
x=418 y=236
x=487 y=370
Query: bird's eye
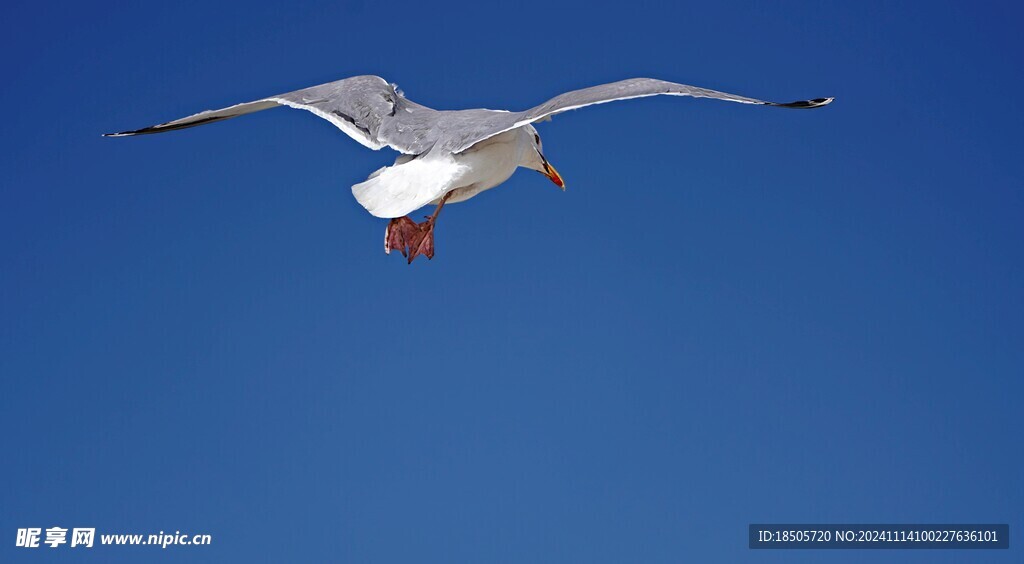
x=536 y=138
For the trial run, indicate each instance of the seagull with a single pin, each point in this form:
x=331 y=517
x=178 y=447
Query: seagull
x=446 y=156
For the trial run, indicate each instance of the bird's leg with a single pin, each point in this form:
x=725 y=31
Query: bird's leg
x=399 y=233
x=422 y=242
x=413 y=239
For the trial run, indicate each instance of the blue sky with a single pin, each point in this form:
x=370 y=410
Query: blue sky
x=734 y=314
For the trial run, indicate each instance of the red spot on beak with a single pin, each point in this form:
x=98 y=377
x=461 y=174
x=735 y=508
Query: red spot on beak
x=553 y=175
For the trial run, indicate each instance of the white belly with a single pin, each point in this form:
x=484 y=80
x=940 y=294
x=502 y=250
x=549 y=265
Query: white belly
x=487 y=165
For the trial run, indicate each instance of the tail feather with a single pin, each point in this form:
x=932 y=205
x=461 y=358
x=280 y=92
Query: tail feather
x=398 y=190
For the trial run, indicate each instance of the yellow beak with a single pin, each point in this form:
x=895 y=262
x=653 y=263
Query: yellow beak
x=553 y=175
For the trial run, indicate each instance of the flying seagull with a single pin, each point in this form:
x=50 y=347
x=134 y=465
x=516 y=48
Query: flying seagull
x=446 y=156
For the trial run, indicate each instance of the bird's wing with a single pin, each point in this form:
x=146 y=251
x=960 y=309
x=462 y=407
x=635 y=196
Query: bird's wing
x=359 y=106
x=623 y=90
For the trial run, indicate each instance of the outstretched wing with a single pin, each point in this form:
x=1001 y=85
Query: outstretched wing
x=622 y=90
x=359 y=106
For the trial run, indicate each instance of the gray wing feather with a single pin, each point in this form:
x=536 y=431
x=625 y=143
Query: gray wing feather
x=622 y=90
x=374 y=113
x=360 y=106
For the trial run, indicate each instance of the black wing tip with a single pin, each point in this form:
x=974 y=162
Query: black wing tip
x=169 y=126
x=807 y=104
x=143 y=131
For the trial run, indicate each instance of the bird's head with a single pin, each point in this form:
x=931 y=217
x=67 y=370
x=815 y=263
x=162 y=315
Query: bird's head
x=533 y=157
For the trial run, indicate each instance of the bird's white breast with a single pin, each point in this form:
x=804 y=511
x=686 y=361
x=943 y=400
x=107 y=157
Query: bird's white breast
x=489 y=163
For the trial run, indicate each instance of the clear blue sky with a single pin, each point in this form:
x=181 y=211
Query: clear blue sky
x=734 y=314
